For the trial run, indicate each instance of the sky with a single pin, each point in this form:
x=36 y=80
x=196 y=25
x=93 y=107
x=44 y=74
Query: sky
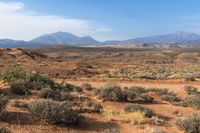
x=101 y=19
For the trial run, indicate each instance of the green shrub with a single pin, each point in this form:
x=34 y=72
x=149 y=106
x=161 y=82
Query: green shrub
x=49 y=94
x=191 y=90
x=192 y=101
x=160 y=91
x=190 y=124
x=66 y=87
x=3 y=104
x=41 y=81
x=12 y=74
x=66 y=97
x=170 y=98
x=137 y=95
x=53 y=112
x=21 y=87
x=111 y=92
x=137 y=90
x=136 y=107
x=87 y=87
x=146 y=98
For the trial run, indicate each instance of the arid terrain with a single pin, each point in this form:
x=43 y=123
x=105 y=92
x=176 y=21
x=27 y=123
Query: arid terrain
x=111 y=90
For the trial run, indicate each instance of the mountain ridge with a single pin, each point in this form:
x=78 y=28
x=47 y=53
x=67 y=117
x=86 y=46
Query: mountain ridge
x=67 y=38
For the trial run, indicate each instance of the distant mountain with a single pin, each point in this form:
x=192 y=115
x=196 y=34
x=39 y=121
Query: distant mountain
x=64 y=38
x=11 y=43
x=174 y=38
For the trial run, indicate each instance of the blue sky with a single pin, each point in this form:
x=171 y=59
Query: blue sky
x=102 y=19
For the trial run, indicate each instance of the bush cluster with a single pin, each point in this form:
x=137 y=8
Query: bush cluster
x=192 y=101
x=66 y=87
x=54 y=112
x=191 y=90
x=114 y=93
x=110 y=92
x=166 y=95
x=137 y=94
x=12 y=74
x=41 y=81
x=21 y=87
x=49 y=94
x=190 y=124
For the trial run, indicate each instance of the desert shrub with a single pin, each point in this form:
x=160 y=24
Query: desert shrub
x=136 y=107
x=192 y=101
x=170 y=98
x=41 y=81
x=191 y=90
x=190 y=78
x=137 y=95
x=160 y=91
x=137 y=90
x=111 y=92
x=66 y=97
x=190 y=124
x=12 y=74
x=94 y=107
x=21 y=87
x=3 y=104
x=19 y=104
x=49 y=94
x=53 y=112
x=4 y=130
x=146 y=98
x=112 y=130
x=66 y=87
x=175 y=112
x=96 y=92
x=87 y=86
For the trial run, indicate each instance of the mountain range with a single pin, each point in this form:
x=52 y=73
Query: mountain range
x=66 y=38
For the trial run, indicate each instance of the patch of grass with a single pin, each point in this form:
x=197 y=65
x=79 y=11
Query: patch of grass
x=189 y=124
x=54 y=112
x=21 y=87
x=136 y=107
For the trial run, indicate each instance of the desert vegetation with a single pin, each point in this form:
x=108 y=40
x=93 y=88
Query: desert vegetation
x=109 y=91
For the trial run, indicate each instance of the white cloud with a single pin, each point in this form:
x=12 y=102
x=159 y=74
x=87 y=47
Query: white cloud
x=18 y=23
